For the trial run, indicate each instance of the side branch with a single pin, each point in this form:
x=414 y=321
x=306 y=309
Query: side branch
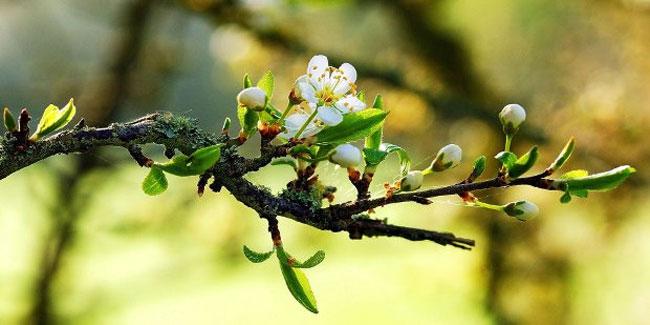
x=345 y=210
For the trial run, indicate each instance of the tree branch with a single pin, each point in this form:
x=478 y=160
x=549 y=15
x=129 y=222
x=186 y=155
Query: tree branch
x=182 y=134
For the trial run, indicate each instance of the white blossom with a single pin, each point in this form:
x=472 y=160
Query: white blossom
x=253 y=97
x=522 y=210
x=448 y=156
x=412 y=181
x=511 y=116
x=332 y=90
x=346 y=155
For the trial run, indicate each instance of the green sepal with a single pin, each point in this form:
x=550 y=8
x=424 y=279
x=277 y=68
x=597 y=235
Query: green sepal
x=155 y=182
x=267 y=84
x=9 y=120
x=597 y=182
x=247 y=83
x=196 y=164
x=354 y=126
x=285 y=161
x=54 y=119
x=524 y=163
x=564 y=155
x=297 y=282
x=507 y=158
x=247 y=119
x=257 y=257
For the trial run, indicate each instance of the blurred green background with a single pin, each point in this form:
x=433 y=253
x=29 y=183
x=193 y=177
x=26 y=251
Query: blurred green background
x=81 y=244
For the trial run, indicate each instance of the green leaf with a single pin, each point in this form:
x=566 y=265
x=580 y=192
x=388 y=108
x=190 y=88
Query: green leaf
x=204 y=158
x=316 y=259
x=479 y=167
x=402 y=155
x=566 y=198
x=524 y=163
x=378 y=102
x=374 y=140
x=362 y=96
x=267 y=84
x=297 y=283
x=257 y=257
x=597 y=182
x=374 y=157
x=285 y=161
x=54 y=119
x=155 y=183
x=354 y=126
x=507 y=158
x=575 y=174
x=247 y=83
x=9 y=121
x=564 y=155
x=196 y=164
x=247 y=119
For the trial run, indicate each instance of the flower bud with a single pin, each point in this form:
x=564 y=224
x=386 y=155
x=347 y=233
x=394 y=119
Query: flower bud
x=254 y=98
x=522 y=210
x=412 y=181
x=511 y=116
x=448 y=156
x=346 y=155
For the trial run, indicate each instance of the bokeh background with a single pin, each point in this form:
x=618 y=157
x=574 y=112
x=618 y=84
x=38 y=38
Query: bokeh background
x=81 y=244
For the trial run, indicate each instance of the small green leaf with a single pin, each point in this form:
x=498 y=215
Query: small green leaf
x=204 y=158
x=507 y=158
x=9 y=121
x=566 y=198
x=316 y=259
x=575 y=174
x=374 y=157
x=54 y=119
x=479 y=167
x=564 y=155
x=362 y=96
x=597 y=182
x=247 y=119
x=267 y=84
x=285 y=161
x=155 y=183
x=247 y=83
x=524 y=163
x=297 y=283
x=402 y=155
x=374 y=140
x=257 y=257
x=196 y=164
x=354 y=126
x=580 y=193
x=378 y=102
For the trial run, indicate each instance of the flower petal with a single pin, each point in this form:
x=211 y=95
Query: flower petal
x=295 y=121
x=350 y=104
x=317 y=71
x=330 y=115
x=305 y=90
x=343 y=78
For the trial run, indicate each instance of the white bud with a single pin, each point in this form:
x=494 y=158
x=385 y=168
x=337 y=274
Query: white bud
x=412 y=181
x=511 y=116
x=346 y=155
x=522 y=210
x=448 y=156
x=253 y=97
